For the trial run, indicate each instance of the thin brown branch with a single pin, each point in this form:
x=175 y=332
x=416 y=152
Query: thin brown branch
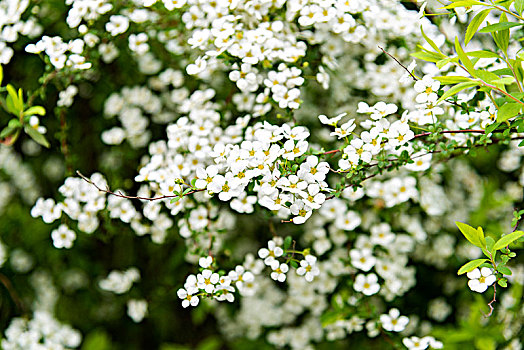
x=394 y=58
x=120 y=194
x=12 y=293
x=491 y=308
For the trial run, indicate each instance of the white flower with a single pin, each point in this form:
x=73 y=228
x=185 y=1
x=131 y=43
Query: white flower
x=367 y=284
x=117 y=24
x=415 y=343
x=362 y=259
x=279 y=271
x=308 y=268
x=207 y=280
x=63 y=237
x=427 y=89
x=270 y=254
x=188 y=297
x=330 y=121
x=137 y=309
x=205 y=262
x=480 y=280
x=393 y=322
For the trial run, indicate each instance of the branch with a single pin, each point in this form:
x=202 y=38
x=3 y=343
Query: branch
x=491 y=308
x=405 y=68
x=12 y=293
x=120 y=194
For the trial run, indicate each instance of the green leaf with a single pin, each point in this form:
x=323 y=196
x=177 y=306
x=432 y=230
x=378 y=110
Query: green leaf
x=508 y=110
x=430 y=42
x=17 y=105
x=472 y=235
x=35 y=110
x=1 y=74
x=470 y=266
x=483 y=54
x=519 y=6
x=504 y=270
x=502 y=37
x=193 y=182
x=464 y=58
x=36 y=136
x=456 y=89
x=97 y=340
x=490 y=242
x=174 y=200
x=508 y=239
x=474 y=25
x=210 y=343
x=287 y=242
x=462 y=3
x=503 y=282
x=451 y=79
x=505 y=81
x=499 y=26
x=445 y=61
x=427 y=56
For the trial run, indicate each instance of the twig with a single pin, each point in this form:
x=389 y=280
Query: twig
x=12 y=293
x=491 y=308
x=405 y=68
x=120 y=194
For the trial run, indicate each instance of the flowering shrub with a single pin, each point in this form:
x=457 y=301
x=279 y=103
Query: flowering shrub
x=261 y=174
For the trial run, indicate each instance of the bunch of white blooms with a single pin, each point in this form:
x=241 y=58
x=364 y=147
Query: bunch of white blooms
x=120 y=282
x=43 y=331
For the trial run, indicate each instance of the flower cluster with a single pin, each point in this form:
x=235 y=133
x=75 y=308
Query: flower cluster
x=42 y=331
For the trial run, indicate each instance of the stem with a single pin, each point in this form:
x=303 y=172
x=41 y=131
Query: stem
x=12 y=293
x=120 y=194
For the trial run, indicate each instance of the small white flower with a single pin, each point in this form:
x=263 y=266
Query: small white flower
x=308 y=268
x=205 y=262
x=279 y=271
x=63 y=237
x=393 y=322
x=270 y=254
x=480 y=280
x=367 y=284
x=188 y=298
x=137 y=309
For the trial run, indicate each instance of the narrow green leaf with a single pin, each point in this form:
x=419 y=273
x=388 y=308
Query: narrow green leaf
x=508 y=110
x=501 y=37
x=504 y=270
x=430 y=42
x=464 y=58
x=462 y=3
x=499 y=26
x=427 y=56
x=519 y=6
x=17 y=104
x=505 y=81
x=474 y=25
x=490 y=242
x=1 y=74
x=472 y=235
x=470 y=266
x=508 y=239
x=451 y=79
x=480 y=233
x=445 y=61
x=36 y=136
x=456 y=89
x=35 y=110
x=287 y=242
x=483 y=54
